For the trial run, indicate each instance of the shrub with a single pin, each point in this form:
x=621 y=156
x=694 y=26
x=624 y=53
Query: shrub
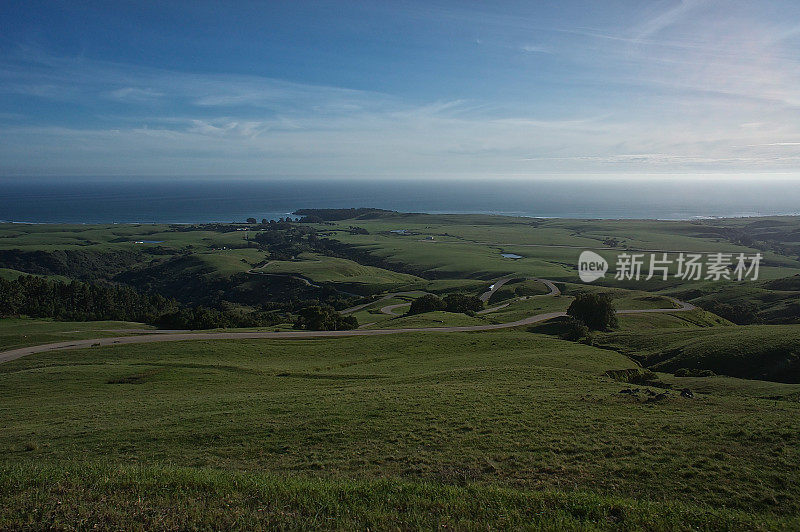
x=324 y=318
x=426 y=303
x=639 y=376
x=684 y=372
x=462 y=303
x=574 y=330
x=596 y=311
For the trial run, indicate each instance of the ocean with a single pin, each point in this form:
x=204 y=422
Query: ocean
x=197 y=200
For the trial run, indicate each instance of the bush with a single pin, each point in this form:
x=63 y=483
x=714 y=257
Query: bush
x=462 y=303
x=574 y=330
x=640 y=376
x=684 y=372
x=426 y=303
x=596 y=311
x=324 y=318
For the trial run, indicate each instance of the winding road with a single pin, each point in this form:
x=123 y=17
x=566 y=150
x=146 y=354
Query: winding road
x=169 y=336
x=485 y=297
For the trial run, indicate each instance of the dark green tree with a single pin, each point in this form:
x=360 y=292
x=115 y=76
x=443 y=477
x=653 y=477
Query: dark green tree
x=38 y=297
x=462 y=303
x=426 y=303
x=324 y=318
x=596 y=311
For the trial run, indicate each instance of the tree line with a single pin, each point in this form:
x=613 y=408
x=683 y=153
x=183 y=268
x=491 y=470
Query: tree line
x=39 y=297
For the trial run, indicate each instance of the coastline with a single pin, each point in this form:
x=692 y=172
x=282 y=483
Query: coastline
x=193 y=201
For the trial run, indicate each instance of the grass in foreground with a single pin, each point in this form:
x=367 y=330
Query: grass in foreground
x=504 y=409
x=179 y=498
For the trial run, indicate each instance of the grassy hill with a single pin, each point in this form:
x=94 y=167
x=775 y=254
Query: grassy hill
x=22 y=332
x=430 y=417
x=471 y=245
x=770 y=352
x=347 y=273
x=512 y=428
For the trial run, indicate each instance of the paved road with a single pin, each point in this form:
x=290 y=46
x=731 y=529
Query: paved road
x=493 y=309
x=390 y=309
x=365 y=305
x=494 y=288
x=258 y=271
x=383 y=298
x=554 y=291
x=682 y=306
x=486 y=296
x=175 y=337
x=255 y=271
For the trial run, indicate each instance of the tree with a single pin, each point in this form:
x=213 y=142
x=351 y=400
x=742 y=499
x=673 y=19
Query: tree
x=252 y=221
x=324 y=318
x=596 y=311
x=38 y=297
x=462 y=303
x=426 y=303
x=574 y=330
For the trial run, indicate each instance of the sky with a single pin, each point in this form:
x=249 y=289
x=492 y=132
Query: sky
x=401 y=89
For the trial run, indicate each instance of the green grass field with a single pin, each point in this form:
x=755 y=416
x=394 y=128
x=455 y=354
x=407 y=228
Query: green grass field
x=110 y=237
x=770 y=352
x=22 y=332
x=428 y=416
x=188 y=498
x=506 y=429
x=470 y=245
x=320 y=269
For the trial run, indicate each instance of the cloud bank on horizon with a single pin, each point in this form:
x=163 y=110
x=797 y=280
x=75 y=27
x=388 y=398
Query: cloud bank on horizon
x=400 y=88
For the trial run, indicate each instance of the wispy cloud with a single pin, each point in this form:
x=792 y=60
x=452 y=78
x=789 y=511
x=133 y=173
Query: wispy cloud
x=135 y=94
x=694 y=87
x=534 y=49
x=665 y=19
x=779 y=144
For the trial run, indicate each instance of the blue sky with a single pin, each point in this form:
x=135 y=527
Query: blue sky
x=396 y=89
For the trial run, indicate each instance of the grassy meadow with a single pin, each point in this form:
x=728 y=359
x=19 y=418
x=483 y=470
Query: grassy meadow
x=427 y=416
x=505 y=429
x=23 y=332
